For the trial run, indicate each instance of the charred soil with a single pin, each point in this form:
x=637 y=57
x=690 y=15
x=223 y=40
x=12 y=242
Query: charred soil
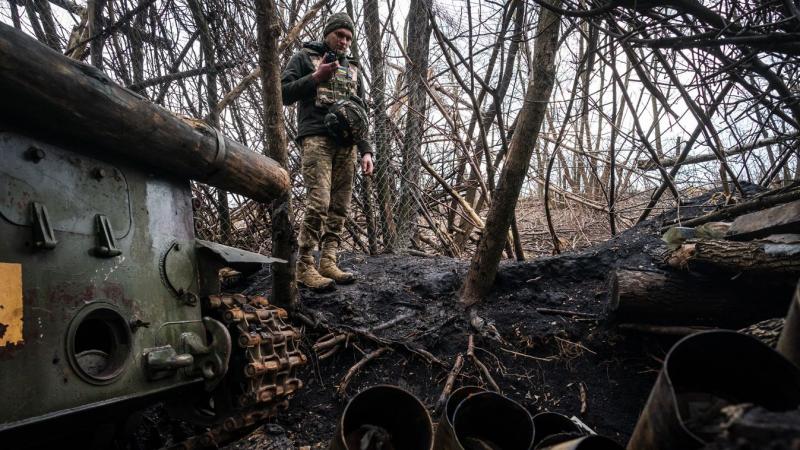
x=556 y=351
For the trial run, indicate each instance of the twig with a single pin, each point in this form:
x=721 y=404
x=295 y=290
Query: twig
x=329 y=341
x=549 y=358
x=392 y=322
x=356 y=367
x=574 y=344
x=564 y=312
x=448 y=385
x=330 y=352
x=484 y=370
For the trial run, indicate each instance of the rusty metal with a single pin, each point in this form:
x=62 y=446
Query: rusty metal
x=270 y=346
x=725 y=365
x=386 y=413
x=554 y=428
x=445 y=438
x=587 y=443
x=789 y=342
x=492 y=420
x=218 y=435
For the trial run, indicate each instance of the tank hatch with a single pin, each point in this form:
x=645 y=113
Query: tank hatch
x=74 y=189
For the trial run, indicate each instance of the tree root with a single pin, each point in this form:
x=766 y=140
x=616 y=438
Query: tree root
x=342 y=388
x=448 y=385
x=482 y=367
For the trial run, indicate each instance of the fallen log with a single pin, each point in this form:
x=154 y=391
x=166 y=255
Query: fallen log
x=778 y=219
x=764 y=201
x=665 y=298
x=51 y=95
x=736 y=257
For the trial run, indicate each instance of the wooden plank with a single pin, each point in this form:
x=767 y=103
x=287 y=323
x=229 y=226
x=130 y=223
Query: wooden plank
x=779 y=219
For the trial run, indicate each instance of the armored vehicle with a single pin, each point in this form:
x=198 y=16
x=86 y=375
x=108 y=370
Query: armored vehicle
x=107 y=300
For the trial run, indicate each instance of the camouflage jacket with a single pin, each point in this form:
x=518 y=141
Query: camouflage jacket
x=314 y=99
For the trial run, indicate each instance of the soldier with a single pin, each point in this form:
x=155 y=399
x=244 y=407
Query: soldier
x=331 y=125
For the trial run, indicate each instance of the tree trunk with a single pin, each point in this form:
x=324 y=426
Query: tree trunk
x=685 y=299
x=94 y=25
x=483 y=267
x=284 y=240
x=487 y=117
x=212 y=97
x=48 y=24
x=418 y=38
x=381 y=124
x=736 y=257
x=12 y=5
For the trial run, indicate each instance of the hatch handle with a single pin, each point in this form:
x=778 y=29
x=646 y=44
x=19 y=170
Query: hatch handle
x=43 y=235
x=108 y=245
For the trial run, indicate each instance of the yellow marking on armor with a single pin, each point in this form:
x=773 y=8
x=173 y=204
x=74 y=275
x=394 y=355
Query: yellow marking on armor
x=10 y=304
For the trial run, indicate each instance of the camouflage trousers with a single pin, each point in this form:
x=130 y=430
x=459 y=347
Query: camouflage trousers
x=328 y=171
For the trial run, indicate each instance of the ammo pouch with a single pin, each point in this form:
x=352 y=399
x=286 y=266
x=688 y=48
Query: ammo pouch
x=347 y=122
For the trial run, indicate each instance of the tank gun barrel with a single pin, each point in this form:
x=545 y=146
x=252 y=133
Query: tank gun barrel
x=58 y=96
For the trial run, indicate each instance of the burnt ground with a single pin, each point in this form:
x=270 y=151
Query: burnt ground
x=575 y=365
x=545 y=362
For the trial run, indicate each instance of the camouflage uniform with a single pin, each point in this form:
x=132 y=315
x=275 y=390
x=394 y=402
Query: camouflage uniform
x=328 y=168
x=328 y=171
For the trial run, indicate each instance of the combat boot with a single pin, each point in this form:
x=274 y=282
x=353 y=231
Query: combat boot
x=308 y=276
x=328 y=267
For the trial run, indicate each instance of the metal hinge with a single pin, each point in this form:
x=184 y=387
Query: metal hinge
x=108 y=245
x=43 y=235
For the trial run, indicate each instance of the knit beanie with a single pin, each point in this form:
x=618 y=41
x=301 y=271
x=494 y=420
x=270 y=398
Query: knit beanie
x=336 y=21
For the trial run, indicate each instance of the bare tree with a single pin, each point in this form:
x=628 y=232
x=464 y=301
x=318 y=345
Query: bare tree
x=483 y=268
x=284 y=240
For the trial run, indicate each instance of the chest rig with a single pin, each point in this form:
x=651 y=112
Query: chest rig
x=341 y=86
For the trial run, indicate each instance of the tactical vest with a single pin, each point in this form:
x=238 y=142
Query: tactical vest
x=341 y=86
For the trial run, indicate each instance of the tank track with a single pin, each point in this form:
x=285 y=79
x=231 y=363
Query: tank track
x=265 y=365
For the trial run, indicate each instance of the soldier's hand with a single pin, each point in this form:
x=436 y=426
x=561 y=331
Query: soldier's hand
x=366 y=164
x=325 y=72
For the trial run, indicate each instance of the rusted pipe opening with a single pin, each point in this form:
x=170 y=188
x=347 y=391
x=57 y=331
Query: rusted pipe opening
x=553 y=428
x=489 y=419
x=705 y=372
x=734 y=367
x=587 y=443
x=385 y=414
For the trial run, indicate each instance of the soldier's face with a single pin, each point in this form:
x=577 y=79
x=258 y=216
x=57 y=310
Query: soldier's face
x=339 y=40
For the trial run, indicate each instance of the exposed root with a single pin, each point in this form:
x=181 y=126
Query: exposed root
x=356 y=367
x=482 y=367
x=448 y=385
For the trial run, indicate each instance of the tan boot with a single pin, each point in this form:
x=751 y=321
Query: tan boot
x=328 y=267
x=308 y=276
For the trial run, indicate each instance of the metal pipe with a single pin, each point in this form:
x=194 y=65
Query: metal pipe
x=723 y=366
x=445 y=438
x=587 y=443
x=489 y=420
x=384 y=417
x=789 y=341
x=554 y=428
